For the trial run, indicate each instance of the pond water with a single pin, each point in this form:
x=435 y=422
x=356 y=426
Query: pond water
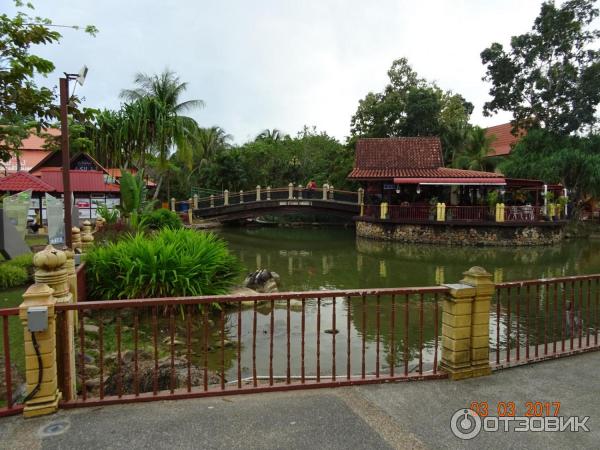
x=333 y=258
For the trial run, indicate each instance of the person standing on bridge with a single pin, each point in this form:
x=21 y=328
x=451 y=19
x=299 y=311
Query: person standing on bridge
x=311 y=187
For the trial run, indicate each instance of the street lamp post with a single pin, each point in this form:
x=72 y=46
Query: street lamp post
x=64 y=141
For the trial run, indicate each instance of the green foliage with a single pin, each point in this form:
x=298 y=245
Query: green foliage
x=109 y=215
x=550 y=78
x=161 y=218
x=410 y=106
x=273 y=162
x=12 y=275
x=22 y=102
x=475 y=152
x=24 y=261
x=493 y=197
x=573 y=161
x=170 y=263
x=134 y=201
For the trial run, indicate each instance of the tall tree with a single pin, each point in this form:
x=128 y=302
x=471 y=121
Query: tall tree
x=22 y=102
x=475 y=153
x=166 y=126
x=550 y=77
x=410 y=106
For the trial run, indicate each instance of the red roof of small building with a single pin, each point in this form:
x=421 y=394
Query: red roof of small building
x=503 y=139
x=22 y=181
x=406 y=158
x=35 y=142
x=398 y=153
x=81 y=180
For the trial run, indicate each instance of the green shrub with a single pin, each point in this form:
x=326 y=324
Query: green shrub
x=170 y=263
x=12 y=276
x=161 y=218
x=24 y=261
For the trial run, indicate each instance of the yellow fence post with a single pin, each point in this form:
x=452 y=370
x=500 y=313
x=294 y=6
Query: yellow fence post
x=173 y=204
x=52 y=269
x=465 y=326
x=45 y=401
x=191 y=211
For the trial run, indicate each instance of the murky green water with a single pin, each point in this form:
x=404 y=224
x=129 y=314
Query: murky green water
x=334 y=258
x=324 y=259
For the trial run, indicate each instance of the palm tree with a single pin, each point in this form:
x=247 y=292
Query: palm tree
x=270 y=135
x=476 y=153
x=209 y=141
x=165 y=127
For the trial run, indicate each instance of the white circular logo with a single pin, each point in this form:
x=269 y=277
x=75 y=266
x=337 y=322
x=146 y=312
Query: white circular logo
x=465 y=424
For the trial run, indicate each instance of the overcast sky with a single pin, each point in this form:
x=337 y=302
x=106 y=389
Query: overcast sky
x=282 y=64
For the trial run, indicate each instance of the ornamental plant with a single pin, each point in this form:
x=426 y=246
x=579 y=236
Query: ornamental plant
x=170 y=263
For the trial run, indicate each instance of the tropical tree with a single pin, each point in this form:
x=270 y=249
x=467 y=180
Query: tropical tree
x=476 y=153
x=411 y=106
x=271 y=135
x=22 y=102
x=550 y=77
x=166 y=129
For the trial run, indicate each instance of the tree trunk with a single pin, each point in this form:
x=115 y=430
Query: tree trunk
x=158 y=185
x=18 y=162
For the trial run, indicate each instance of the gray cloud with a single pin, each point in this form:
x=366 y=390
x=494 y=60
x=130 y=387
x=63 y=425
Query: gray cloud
x=282 y=64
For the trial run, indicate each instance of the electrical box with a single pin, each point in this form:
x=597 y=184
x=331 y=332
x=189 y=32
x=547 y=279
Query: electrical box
x=37 y=318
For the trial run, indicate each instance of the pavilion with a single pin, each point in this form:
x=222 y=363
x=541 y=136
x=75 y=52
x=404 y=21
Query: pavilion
x=408 y=175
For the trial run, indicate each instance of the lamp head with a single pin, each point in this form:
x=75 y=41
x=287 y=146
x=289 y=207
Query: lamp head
x=81 y=75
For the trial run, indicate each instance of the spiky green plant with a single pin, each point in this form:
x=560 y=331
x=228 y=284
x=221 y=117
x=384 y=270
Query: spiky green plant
x=172 y=263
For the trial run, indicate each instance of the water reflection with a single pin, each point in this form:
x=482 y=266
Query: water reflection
x=319 y=259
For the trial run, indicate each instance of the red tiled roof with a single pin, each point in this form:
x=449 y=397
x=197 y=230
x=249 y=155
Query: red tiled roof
x=503 y=140
x=81 y=180
x=35 y=142
x=29 y=159
x=22 y=181
x=438 y=172
x=398 y=153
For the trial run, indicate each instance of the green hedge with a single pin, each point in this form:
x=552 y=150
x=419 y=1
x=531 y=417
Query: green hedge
x=170 y=263
x=161 y=218
x=12 y=276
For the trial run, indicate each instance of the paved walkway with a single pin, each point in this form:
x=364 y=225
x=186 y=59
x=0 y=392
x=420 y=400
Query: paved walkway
x=402 y=415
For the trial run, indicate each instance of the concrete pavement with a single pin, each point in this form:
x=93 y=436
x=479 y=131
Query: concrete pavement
x=401 y=415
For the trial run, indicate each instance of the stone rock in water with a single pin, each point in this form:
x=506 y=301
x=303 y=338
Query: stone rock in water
x=262 y=281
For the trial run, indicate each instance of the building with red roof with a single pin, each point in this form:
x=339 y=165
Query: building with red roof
x=503 y=139
x=407 y=174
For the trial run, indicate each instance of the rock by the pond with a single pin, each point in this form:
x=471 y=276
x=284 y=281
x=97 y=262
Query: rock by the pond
x=332 y=331
x=92 y=383
x=263 y=281
x=163 y=376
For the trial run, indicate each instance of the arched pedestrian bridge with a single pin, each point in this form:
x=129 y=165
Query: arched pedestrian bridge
x=262 y=201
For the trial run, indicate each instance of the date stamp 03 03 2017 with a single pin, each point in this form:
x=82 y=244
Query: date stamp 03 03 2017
x=509 y=416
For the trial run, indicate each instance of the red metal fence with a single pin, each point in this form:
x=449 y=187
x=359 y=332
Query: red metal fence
x=536 y=320
x=201 y=346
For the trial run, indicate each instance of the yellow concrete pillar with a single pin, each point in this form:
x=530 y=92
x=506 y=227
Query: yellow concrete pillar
x=465 y=326
x=52 y=269
x=76 y=240
x=383 y=210
x=87 y=238
x=484 y=286
x=456 y=331
x=45 y=401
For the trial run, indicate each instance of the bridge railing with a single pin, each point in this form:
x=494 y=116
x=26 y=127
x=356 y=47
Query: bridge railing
x=269 y=194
